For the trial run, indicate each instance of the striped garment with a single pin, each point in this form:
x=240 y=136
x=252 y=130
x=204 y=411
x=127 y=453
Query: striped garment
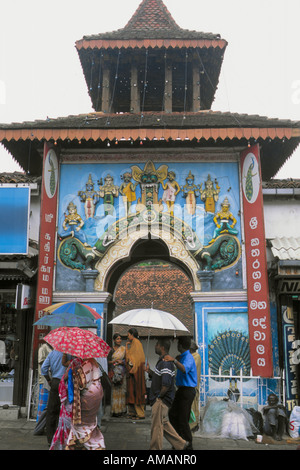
x=163 y=375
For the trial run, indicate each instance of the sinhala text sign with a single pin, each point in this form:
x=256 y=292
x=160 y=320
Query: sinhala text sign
x=257 y=277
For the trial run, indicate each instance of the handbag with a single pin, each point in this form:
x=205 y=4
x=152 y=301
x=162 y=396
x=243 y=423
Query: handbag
x=104 y=376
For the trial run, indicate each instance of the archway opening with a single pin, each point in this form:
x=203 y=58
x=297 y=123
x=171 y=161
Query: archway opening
x=149 y=278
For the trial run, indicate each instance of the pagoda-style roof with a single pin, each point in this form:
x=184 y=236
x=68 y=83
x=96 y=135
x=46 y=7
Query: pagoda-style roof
x=152 y=30
x=278 y=138
x=151 y=21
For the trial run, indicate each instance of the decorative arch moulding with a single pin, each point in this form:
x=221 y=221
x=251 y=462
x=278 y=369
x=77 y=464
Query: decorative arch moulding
x=153 y=43
x=148 y=134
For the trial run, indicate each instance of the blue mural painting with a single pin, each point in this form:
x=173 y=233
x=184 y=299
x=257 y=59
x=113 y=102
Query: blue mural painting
x=199 y=203
x=101 y=203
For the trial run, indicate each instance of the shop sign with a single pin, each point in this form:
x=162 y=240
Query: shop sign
x=257 y=277
x=14 y=212
x=47 y=238
x=291 y=351
x=289 y=286
x=24 y=297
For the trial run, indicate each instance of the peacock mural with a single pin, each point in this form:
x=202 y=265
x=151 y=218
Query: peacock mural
x=229 y=351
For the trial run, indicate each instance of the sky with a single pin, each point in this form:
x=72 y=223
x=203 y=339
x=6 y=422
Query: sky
x=41 y=75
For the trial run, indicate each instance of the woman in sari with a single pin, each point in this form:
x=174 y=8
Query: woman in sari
x=61 y=435
x=87 y=394
x=116 y=372
x=135 y=366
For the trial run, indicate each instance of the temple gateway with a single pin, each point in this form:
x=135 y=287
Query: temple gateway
x=155 y=180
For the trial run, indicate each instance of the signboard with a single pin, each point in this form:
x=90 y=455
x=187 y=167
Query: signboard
x=14 y=214
x=24 y=297
x=291 y=358
x=257 y=276
x=47 y=239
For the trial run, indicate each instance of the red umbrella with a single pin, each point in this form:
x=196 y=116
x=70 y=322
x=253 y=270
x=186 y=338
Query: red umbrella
x=77 y=342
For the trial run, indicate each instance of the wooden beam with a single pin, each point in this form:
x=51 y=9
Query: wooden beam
x=168 y=87
x=134 y=88
x=105 y=107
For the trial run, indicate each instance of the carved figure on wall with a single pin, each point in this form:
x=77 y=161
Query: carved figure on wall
x=171 y=189
x=220 y=253
x=127 y=190
x=90 y=198
x=108 y=191
x=72 y=219
x=73 y=222
x=222 y=220
x=249 y=181
x=75 y=255
x=190 y=192
x=229 y=352
x=210 y=194
x=149 y=179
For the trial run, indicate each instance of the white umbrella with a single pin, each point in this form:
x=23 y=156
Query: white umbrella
x=150 y=318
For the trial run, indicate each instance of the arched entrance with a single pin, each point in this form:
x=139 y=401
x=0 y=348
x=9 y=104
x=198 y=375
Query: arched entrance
x=165 y=261
x=139 y=246
x=156 y=283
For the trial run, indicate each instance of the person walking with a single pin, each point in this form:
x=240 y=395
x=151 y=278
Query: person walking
x=43 y=352
x=84 y=433
x=196 y=402
x=186 y=381
x=53 y=370
x=162 y=393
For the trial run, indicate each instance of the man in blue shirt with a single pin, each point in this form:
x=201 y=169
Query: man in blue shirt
x=186 y=381
x=53 y=370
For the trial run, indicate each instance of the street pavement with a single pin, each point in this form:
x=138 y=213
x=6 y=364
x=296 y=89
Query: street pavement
x=123 y=434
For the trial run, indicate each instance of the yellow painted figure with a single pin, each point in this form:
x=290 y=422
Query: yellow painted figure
x=222 y=220
x=72 y=219
x=210 y=194
x=127 y=189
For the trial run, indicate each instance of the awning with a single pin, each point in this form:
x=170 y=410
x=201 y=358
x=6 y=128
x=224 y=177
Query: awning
x=286 y=251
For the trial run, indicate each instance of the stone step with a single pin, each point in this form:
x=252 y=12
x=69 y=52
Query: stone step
x=9 y=412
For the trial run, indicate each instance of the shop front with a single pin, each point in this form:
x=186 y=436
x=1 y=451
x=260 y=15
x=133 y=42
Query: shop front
x=289 y=308
x=19 y=208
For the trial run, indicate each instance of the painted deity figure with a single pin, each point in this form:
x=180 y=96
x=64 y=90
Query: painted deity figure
x=190 y=192
x=108 y=191
x=72 y=222
x=127 y=190
x=222 y=220
x=210 y=194
x=149 y=180
x=171 y=189
x=90 y=198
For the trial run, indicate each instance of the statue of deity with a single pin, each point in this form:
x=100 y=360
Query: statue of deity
x=73 y=222
x=108 y=191
x=127 y=190
x=171 y=189
x=210 y=194
x=190 y=192
x=222 y=220
x=89 y=197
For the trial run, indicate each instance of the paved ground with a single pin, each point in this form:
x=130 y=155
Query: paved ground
x=124 y=435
